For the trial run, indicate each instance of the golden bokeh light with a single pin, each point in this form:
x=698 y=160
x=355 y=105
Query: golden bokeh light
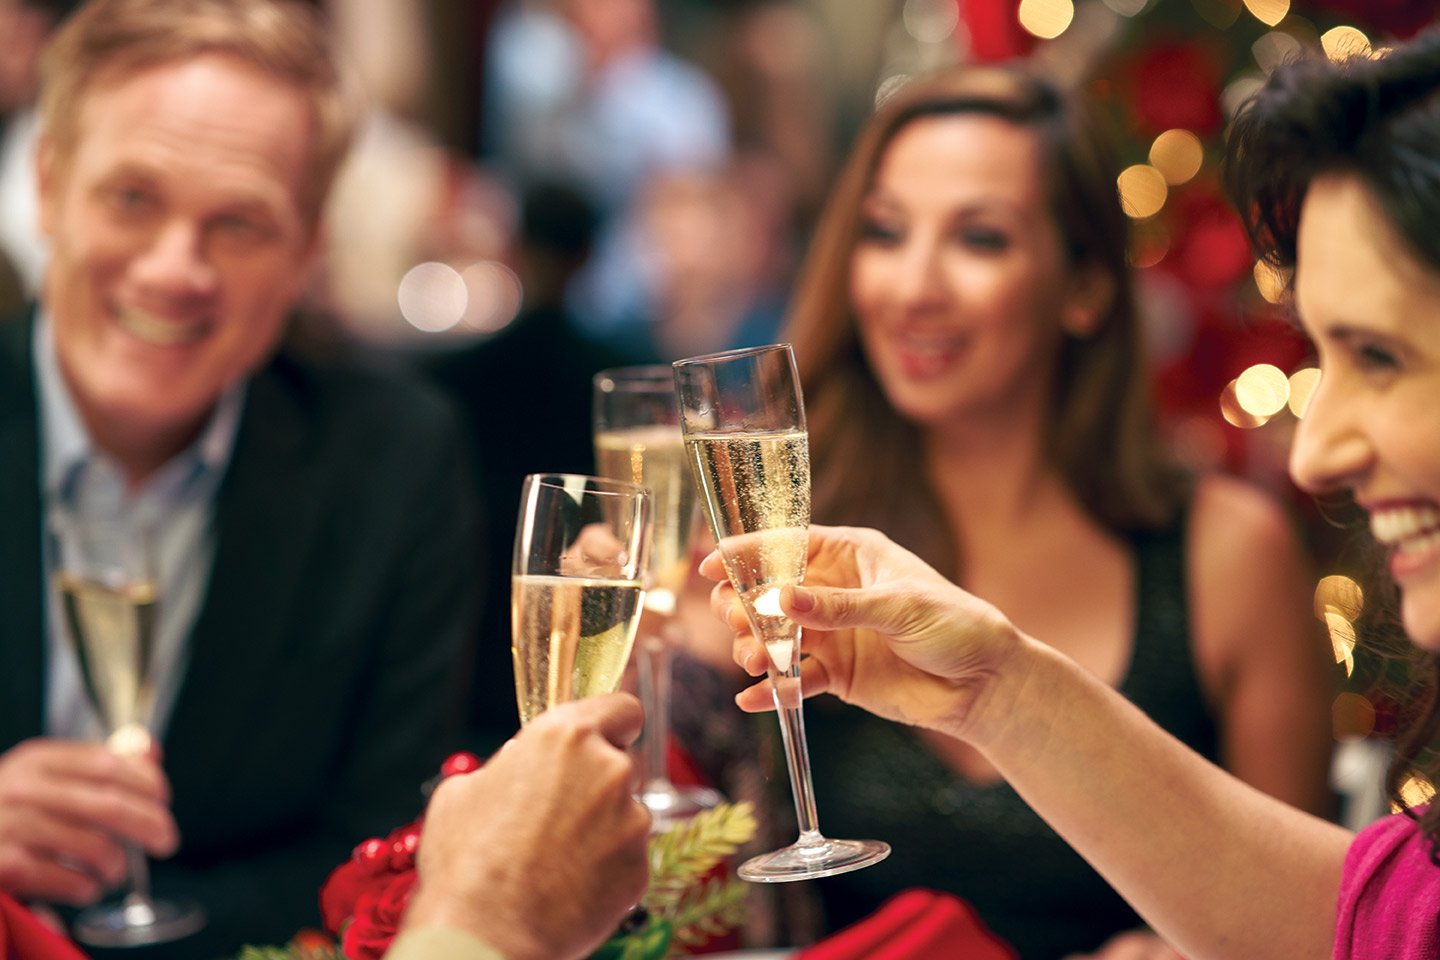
x=1046 y=19
x=1262 y=390
x=1342 y=43
x=1234 y=413
x=1268 y=12
x=1342 y=639
x=1340 y=594
x=1271 y=281
x=1352 y=717
x=1302 y=385
x=1142 y=191
x=1415 y=791
x=1177 y=154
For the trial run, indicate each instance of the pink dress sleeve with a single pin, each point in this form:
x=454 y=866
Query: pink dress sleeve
x=1389 y=895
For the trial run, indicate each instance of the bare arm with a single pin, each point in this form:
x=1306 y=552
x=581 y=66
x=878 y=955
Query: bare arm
x=1215 y=866
x=1218 y=868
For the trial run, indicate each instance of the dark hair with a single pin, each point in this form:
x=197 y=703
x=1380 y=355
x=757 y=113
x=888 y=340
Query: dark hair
x=1378 y=120
x=1102 y=434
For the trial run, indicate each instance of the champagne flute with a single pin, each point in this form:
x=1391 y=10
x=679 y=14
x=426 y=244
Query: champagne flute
x=638 y=438
x=581 y=545
x=105 y=576
x=744 y=426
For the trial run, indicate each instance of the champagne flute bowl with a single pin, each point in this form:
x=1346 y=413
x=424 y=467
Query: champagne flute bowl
x=577 y=586
x=744 y=425
x=638 y=439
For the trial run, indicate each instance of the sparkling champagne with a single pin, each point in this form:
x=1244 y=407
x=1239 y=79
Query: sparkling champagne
x=654 y=457
x=756 y=488
x=112 y=628
x=572 y=637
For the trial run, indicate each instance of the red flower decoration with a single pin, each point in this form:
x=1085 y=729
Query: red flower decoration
x=377 y=918
x=372 y=869
x=338 y=895
x=364 y=898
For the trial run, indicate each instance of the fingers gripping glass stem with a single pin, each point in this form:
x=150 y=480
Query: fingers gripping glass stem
x=744 y=426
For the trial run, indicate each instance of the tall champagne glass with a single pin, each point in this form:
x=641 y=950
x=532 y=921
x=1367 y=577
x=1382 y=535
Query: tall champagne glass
x=105 y=576
x=744 y=426
x=638 y=439
x=581 y=545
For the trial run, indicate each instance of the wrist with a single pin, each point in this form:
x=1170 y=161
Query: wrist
x=1010 y=692
x=500 y=930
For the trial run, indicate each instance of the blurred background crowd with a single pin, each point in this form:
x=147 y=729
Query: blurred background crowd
x=543 y=188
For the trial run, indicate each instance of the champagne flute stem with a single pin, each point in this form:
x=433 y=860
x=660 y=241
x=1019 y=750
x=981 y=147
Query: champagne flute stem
x=138 y=874
x=137 y=908
x=655 y=666
x=785 y=689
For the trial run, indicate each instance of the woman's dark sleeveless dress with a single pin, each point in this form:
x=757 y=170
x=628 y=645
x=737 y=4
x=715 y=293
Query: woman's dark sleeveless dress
x=981 y=842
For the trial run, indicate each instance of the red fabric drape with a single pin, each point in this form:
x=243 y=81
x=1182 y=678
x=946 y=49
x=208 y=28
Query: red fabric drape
x=914 y=924
x=24 y=937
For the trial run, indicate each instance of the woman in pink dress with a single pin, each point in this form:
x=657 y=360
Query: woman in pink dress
x=1336 y=168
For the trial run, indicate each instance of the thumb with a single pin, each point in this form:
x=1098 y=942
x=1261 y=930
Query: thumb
x=830 y=608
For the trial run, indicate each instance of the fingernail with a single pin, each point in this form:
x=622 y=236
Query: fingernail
x=801 y=600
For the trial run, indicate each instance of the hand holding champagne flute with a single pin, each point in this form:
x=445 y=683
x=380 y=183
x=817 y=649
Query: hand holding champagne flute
x=106 y=579
x=744 y=426
x=581 y=545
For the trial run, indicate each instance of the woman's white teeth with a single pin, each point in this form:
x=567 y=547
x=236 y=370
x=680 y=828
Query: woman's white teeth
x=929 y=347
x=1419 y=544
x=1410 y=528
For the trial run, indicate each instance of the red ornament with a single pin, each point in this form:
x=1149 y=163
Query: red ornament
x=403 y=844
x=457 y=763
x=372 y=855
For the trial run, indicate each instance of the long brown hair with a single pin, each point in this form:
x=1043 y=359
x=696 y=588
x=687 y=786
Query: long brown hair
x=1377 y=120
x=867 y=457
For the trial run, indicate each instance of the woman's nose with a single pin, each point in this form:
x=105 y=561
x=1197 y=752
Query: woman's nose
x=919 y=278
x=1332 y=450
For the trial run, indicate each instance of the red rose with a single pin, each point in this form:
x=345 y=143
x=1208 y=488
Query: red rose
x=377 y=918
x=341 y=890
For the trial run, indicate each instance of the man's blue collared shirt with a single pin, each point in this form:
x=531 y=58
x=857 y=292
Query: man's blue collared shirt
x=177 y=501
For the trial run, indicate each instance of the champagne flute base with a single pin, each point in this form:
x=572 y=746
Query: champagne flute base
x=811 y=861
x=136 y=921
x=669 y=804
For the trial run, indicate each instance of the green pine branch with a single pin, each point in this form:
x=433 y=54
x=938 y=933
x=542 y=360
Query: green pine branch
x=682 y=856
x=708 y=911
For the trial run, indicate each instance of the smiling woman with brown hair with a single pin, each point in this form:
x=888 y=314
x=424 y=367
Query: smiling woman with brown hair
x=976 y=387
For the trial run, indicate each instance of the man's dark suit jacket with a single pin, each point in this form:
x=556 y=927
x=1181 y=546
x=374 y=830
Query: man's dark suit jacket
x=324 y=663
